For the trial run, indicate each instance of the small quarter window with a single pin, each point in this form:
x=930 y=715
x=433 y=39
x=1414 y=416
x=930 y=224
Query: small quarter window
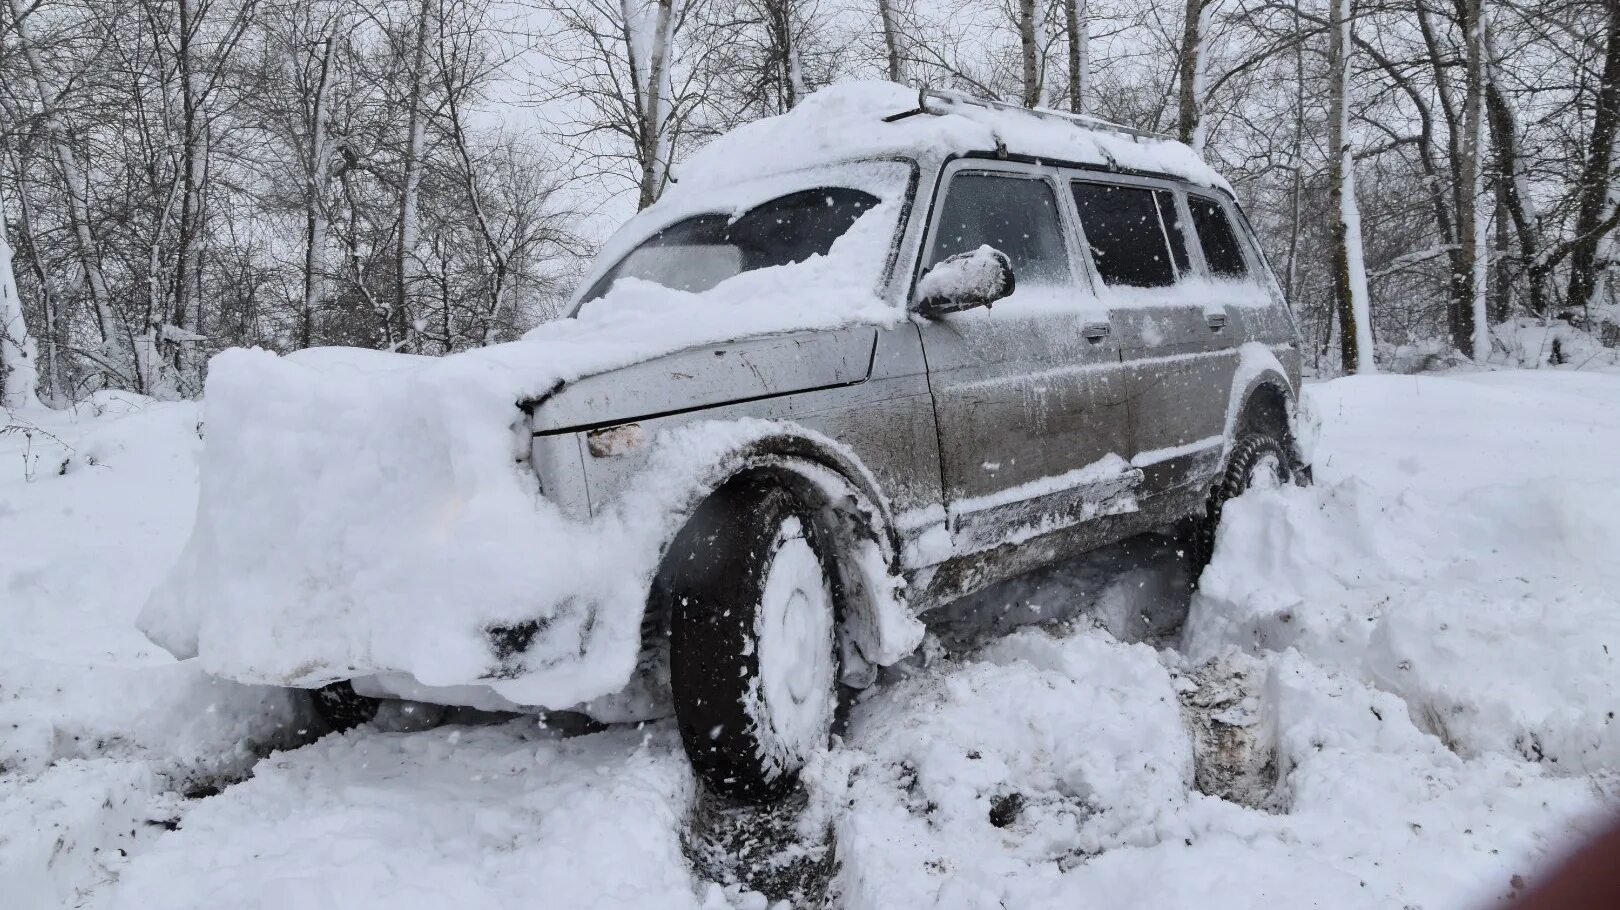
x=1220 y=243
x=1016 y=215
x=1127 y=237
x=1170 y=217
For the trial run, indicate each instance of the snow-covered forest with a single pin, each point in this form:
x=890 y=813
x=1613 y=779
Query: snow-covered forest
x=182 y=176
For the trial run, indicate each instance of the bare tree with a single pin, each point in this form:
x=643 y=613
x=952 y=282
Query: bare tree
x=1077 y=24
x=1596 y=212
x=615 y=61
x=1191 y=66
x=1350 y=269
x=1031 y=44
x=401 y=321
x=1470 y=324
x=19 y=376
x=891 y=38
x=116 y=354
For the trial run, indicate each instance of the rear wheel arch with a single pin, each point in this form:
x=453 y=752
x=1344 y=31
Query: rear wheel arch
x=1268 y=406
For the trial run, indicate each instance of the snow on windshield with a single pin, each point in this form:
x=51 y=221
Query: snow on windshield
x=699 y=252
x=694 y=239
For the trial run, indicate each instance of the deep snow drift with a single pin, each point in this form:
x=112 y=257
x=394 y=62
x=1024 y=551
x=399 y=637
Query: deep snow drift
x=1408 y=704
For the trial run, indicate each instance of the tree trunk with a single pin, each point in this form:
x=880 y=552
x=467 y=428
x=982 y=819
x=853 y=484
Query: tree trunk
x=1029 y=52
x=1516 y=202
x=19 y=374
x=193 y=151
x=650 y=51
x=1078 y=22
x=116 y=353
x=891 y=37
x=55 y=317
x=785 y=51
x=315 y=224
x=1592 y=208
x=400 y=320
x=1189 y=69
x=1297 y=203
x=1470 y=329
x=1349 y=266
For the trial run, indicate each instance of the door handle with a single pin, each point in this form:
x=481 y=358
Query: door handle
x=1215 y=321
x=1096 y=331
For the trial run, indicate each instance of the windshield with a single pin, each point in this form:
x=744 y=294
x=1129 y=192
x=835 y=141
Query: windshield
x=699 y=252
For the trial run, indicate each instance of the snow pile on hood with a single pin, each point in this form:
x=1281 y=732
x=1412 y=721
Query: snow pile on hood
x=1491 y=606
x=366 y=512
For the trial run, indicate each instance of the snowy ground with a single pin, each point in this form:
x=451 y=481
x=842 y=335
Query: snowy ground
x=1395 y=689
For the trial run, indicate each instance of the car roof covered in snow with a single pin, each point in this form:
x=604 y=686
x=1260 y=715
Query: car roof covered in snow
x=855 y=120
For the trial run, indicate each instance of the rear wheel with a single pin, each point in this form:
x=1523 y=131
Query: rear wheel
x=1257 y=460
x=753 y=642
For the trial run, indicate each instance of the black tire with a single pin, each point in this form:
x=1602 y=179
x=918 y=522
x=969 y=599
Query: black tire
x=715 y=582
x=343 y=708
x=1253 y=453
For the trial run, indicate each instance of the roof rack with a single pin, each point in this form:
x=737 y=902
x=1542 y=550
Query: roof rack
x=948 y=98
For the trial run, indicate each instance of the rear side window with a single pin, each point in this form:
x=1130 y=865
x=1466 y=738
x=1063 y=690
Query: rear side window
x=1133 y=234
x=1016 y=215
x=1221 y=248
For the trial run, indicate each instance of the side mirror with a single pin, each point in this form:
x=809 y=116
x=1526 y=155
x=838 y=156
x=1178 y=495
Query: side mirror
x=973 y=279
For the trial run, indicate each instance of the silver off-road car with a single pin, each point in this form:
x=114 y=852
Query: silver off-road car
x=1094 y=348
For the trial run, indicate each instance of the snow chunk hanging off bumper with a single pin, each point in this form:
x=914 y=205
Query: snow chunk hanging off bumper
x=388 y=526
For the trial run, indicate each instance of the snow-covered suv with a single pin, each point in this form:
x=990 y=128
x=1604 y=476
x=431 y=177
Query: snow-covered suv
x=862 y=359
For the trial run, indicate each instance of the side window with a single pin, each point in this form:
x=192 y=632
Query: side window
x=1221 y=248
x=1130 y=241
x=1016 y=215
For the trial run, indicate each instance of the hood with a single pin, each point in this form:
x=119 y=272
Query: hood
x=710 y=375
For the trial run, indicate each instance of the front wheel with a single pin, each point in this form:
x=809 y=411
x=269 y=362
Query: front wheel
x=1257 y=460
x=753 y=642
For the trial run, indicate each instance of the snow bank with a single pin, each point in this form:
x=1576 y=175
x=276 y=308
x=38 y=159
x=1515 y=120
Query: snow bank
x=496 y=817
x=363 y=512
x=103 y=733
x=1057 y=770
x=1482 y=594
x=1057 y=767
x=1552 y=343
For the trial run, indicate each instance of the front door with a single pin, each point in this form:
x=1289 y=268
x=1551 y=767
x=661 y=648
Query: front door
x=1029 y=394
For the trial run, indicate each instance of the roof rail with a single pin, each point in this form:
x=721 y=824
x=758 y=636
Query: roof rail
x=948 y=98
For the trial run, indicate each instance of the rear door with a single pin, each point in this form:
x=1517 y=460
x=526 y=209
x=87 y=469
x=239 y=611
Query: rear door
x=1179 y=359
x=1029 y=394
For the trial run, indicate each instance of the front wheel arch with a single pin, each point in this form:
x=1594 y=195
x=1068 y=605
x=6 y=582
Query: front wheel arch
x=875 y=628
